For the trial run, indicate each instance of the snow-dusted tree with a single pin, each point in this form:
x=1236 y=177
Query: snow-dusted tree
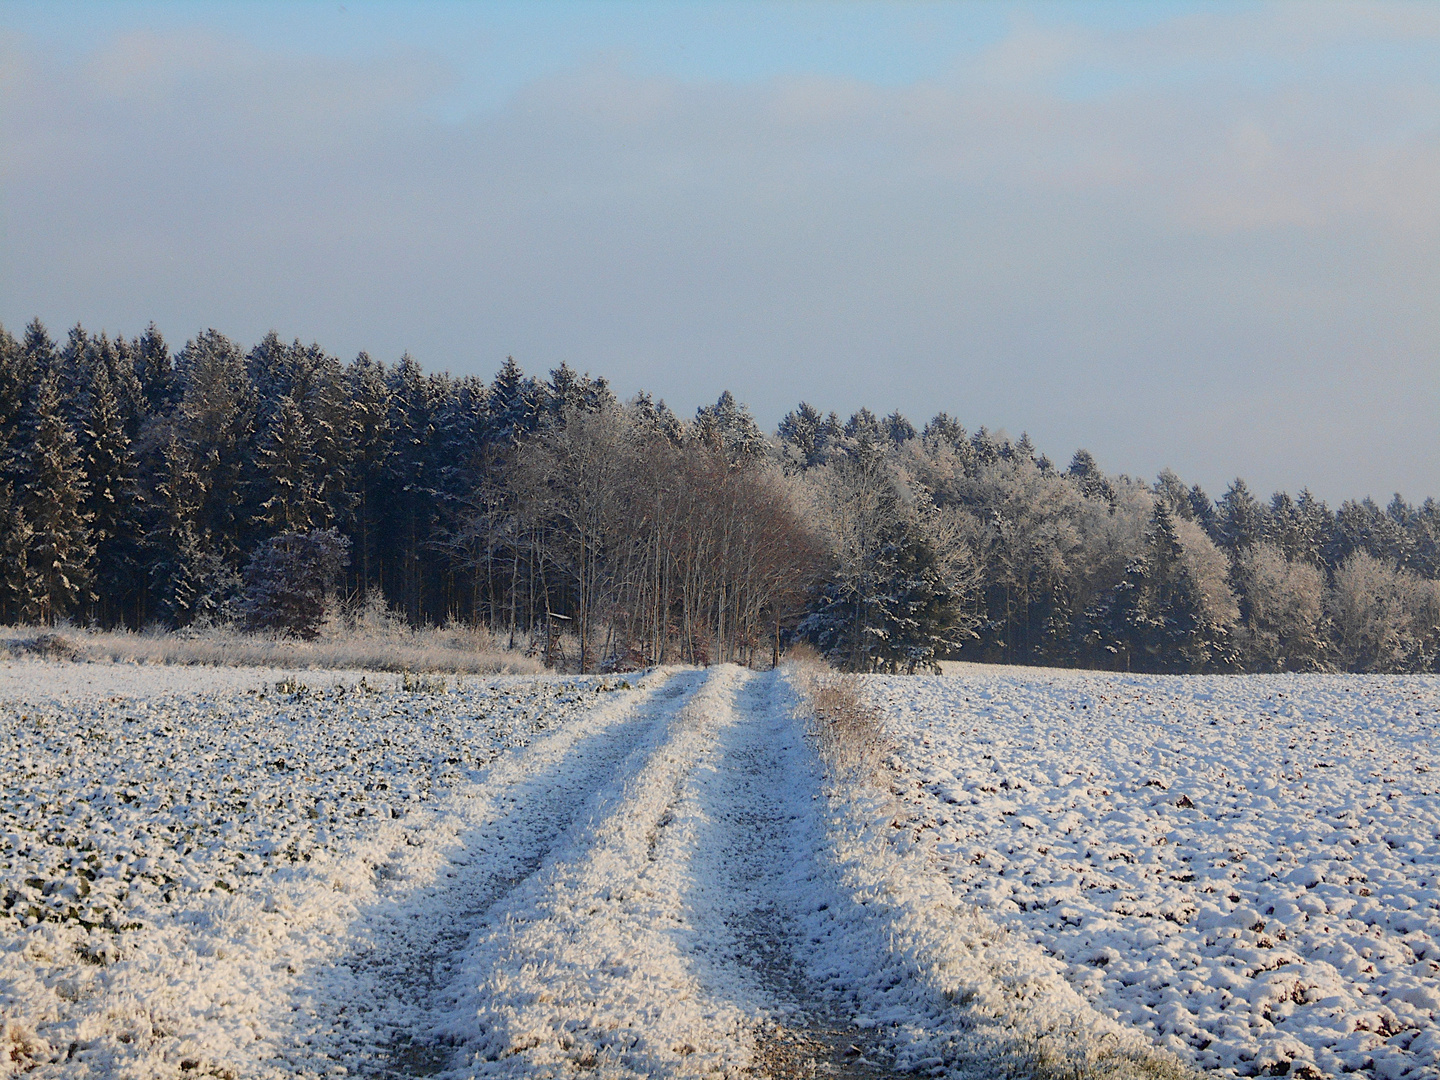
x=54 y=495
x=569 y=393
x=1284 y=606
x=288 y=579
x=181 y=567
x=1214 y=644
x=1166 y=615
x=287 y=461
x=1299 y=529
x=1170 y=488
x=898 y=429
x=900 y=594
x=727 y=426
x=112 y=477
x=14 y=529
x=1239 y=519
x=1085 y=472
x=566 y=477
x=514 y=405
x=808 y=437
x=215 y=424
x=14 y=555
x=155 y=371
x=1385 y=619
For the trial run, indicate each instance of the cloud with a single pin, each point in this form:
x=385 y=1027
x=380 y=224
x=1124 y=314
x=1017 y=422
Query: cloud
x=1174 y=244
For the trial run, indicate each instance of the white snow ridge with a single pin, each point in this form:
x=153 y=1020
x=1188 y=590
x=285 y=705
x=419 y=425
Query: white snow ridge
x=656 y=877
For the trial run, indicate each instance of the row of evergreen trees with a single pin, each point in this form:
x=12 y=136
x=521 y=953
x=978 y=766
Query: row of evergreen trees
x=137 y=484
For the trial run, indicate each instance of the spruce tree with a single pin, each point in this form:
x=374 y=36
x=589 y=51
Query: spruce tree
x=806 y=436
x=55 y=494
x=15 y=534
x=155 y=371
x=728 y=427
x=287 y=462
x=514 y=404
x=215 y=421
x=111 y=478
x=1240 y=518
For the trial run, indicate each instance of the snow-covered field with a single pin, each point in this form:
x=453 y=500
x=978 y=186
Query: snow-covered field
x=1246 y=869
x=248 y=873
x=212 y=872
x=184 y=851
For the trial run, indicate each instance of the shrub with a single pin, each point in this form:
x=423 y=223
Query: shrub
x=287 y=581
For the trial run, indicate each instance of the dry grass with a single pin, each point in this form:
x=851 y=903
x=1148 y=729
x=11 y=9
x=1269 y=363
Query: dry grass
x=456 y=650
x=850 y=731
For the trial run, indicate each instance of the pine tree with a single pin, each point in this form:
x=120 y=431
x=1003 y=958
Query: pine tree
x=54 y=499
x=215 y=421
x=1086 y=473
x=155 y=372
x=15 y=536
x=515 y=402
x=806 y=436
x=921 y=618
x=287 y=460
x=368 y=394
x=727 y=426
x=1155 y=619
x=898 y=429
x=111 y=478
x=1240 y=518
x=184 y=574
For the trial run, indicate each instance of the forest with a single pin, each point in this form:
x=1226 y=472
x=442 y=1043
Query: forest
x=141 y=487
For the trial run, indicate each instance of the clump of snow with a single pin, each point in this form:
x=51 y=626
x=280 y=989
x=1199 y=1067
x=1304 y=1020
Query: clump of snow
x=1245 y=869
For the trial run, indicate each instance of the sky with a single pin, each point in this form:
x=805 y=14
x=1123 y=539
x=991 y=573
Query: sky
x=1196 y=236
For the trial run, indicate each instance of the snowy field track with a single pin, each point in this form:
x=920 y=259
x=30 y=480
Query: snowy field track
x=249 y=876
x=1245 y=869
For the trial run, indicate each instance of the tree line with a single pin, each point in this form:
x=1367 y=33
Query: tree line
x=138 y=485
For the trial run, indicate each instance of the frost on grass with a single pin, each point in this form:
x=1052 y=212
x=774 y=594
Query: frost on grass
x=1244 y=869
x=171 y=857
x=952 y=992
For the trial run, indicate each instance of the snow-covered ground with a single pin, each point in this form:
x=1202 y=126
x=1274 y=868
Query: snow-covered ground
x=192 y=860
x=232 y=874
x=1246 y=869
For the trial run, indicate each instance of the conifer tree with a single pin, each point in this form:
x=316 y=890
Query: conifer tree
x=181 y=568
x=15 y=537
x=514 y=404
x=111 y=479
x=728 y=427
x=1155 y=618
x=807 y=437
x=287 y=460
x=215 y=422
x=1240 y=519
x=155 y=371
x=54 y=499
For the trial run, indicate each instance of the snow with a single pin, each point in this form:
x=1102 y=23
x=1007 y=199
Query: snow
x=182 y=853
x=1244 y=869
x=209 y=873
x=262 y=874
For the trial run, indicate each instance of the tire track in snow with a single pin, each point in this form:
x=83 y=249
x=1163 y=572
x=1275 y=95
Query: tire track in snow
x=757 y=884
x=669 y=938
x=373 y=1011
